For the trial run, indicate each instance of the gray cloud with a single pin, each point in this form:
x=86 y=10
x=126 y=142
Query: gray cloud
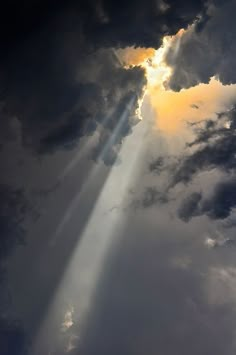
x=206 y=50
x=13 y=339
x=190 y=206
x=55 y=111
x=105 y=23
x=214 y=147
x=217 y=206
x=13 y=208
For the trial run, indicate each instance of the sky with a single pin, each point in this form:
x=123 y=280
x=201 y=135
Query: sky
x=118 y=177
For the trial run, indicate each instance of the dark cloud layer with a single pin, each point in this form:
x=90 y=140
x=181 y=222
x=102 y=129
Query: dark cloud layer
x=217 y=206
x=58 y=81
x=206 y=51
x=13 y=340
x=214 y=148
x=106 y=23
x=56 y=107
x=13 y=209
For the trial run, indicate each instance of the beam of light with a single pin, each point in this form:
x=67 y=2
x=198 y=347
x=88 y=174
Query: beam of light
x=84 y=146
x=117 y=131
x=88 y=259
x=109 y=143
x=74 y=162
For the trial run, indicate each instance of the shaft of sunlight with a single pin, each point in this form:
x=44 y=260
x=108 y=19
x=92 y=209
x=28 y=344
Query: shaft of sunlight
x=94 y=171
x=88 y=259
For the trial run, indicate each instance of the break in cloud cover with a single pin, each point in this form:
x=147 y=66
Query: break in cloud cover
x=118 y=177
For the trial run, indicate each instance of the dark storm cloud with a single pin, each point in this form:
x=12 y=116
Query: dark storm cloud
x=104 y=22
x=189 y=206
x=56 y=107
x=217 y=206
x=143 y=23
x=209 y=50
x=58 y=81
x=214 y=147
x=13 y=208
x=13 y=339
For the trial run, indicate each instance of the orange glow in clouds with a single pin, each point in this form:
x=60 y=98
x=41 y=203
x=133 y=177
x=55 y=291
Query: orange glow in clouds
x=173 y=109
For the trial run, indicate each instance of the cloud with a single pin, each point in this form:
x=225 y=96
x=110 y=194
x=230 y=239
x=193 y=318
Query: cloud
x=157 y=165
x=218 y=205
x=190 y=206
x=106 y=23
x=221 y=287
x=60 y=77
x=214 y=36
x=13 y=339
x=196 y=107
x=13 y=208
x=60 y=90
x=218 y=242
x=222 y=201
x=55 y=111
x=143 y=24
x=214 y=147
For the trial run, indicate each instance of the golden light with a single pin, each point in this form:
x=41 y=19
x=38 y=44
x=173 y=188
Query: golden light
x=157 y=70
x=173 y=109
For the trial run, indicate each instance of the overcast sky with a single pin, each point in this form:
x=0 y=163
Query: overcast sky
x=118 y=177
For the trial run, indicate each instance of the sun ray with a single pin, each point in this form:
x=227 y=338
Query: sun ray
x=95 y=241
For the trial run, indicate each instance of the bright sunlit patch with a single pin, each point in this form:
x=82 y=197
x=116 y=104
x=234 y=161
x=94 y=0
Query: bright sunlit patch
x=203 y=101
x=174 y=109
x=68 y=320
x=131 y=56
x=210 y=243
x=157 y=70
